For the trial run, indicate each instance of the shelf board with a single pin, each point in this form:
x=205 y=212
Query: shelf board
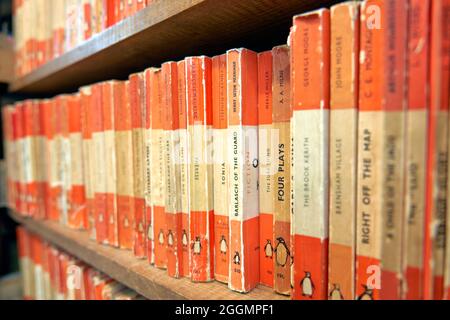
x=167 y=30
x=121 y=265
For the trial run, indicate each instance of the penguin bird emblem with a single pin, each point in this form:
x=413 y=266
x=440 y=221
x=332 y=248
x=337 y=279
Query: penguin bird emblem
x=161 y=237
x=282 y=253
x=335 y=293
x=223 y=245
x=307 y=285
x=197 y=246
x=184 y=239
x=236 y=258
x=367 y=294
x=268 y=250
x=170 y=238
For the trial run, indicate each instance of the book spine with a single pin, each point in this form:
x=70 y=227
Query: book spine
x=281 y=117
x=344 y=43
x=446 y=102
x=110 y=99
x=7 y=112
x=88 y=23
x=201 y=217
x=436 y=200
x=24 y=260
x=77 y=201
x=149 y=78
x=41 y=146
x=267 y=168
x=169 y=74
x=124 y=157
x=184 y=168
x=86 y=131
x=23 y=160
x=111 y=13
x=137 y=100
x=221 y=169
x=98 y=177
x=29 y=161
x=310 y=40
x=242 y=89
x=157 y=173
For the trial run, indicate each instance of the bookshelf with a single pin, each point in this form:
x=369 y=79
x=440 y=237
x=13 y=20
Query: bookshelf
x=151 y=282
x=167 y=30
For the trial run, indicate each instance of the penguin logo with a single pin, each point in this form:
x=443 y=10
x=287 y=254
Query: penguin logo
x=255 y=163
x=367 y=294
x=197 y=246
x=161 y=237
x=223 y=245
x=236 y=258
x=307 y=285
x=336 y=293
x=170 y=238
x=268 y=250
x=282 y=252
x=184 y=239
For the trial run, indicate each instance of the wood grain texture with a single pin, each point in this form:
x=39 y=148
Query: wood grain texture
x=137 y=274
x=167 y=30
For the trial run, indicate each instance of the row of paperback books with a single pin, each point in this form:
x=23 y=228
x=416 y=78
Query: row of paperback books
x=318 y=168
x=45 y=29
x=49 y=273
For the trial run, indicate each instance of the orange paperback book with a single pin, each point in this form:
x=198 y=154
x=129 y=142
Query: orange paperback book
x=29 y=148
x=24 y=260
x=416 y=147
x=221 y=169
x=184 y=168
x=343 y=148
x=157 y=170
x=23 y=159
x=77 y=203
x=98 y=162
x=124 y=157
x=281 y=115
x=266 y=150
x=310 y=40
x=8 y=143
x=169 y=74
x=242 y=89
x=41 y=170
x=137 y=101
x=436 y=198
x=201 y=218
x=86 y=132
x=110 y=99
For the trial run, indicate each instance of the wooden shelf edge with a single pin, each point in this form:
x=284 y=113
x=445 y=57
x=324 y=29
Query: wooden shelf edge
x=163 y=31
x=121 y=265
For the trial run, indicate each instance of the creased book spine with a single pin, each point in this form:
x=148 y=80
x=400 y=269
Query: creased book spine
x=137 y=101
x=172 y=169
x=266 y=138
x=310 y=55
x=344 y=78
x=242 y=88
x=221 y=169
x=281 y=115
x=201 y=218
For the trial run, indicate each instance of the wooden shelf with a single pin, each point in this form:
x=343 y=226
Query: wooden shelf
x=151 y=282
x=167 y=30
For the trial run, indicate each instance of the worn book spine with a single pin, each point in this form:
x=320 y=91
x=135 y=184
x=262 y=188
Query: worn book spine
x=242 y=89
x=201 y=218
x=310 y=57
x=344 y=75
x=437 y=161
x=8 y=144
x=86 y=132
x=446 y=101
x=30 y=158
x=98 y=162
x=77 y=201
x=221 y=169
x=184 y=168
x=148 y=166
x=23 y=160
x=416 y=147
x=110 y=99
x=41 y=145
x=172 y=176
x=157 y=172
x=124 y=157
x=24 y=259
x=281 y=116
x=266 y=138
x=137 y=101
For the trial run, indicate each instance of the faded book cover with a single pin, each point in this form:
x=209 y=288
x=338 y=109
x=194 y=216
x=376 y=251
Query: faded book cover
x=172 y=176
x=281 y=115
x=266 y=149
x=137 y=101
x=310 y=57
x=221 y=168
x=184 y=168
x=344 y=77
x=242 y=89
x=201 y=218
